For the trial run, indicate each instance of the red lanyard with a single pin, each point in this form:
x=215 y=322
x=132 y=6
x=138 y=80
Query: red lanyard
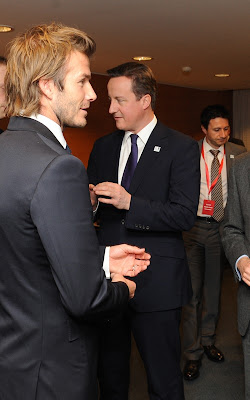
x=207 y=170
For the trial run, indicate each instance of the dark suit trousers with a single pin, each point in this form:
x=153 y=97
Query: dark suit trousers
x=158 y=341
x=114 y=358
x=200 y=316
x=246 y=352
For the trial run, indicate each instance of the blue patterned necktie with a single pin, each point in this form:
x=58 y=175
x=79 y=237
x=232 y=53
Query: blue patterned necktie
x=67 y=149
x=131 y=163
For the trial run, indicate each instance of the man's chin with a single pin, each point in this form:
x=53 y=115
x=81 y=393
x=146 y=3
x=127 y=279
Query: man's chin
x=80 y=124
x=120 y=125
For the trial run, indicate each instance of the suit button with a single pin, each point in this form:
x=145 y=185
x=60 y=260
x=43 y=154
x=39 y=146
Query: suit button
x=122 y=221
x=147 y=227
x=140 y=226
x=136 y=225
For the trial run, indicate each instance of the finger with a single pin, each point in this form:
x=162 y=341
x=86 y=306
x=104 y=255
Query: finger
x=105 y=201
x=145 y=256
x=141 y=263
x=247 y=281
x=134 y=250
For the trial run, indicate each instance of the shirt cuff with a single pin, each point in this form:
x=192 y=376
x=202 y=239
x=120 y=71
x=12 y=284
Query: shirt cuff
x=105 y=264
x=95 y=211
x=235 y=267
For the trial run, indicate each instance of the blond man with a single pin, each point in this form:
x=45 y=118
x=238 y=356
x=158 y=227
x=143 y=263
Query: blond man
x=52 y=285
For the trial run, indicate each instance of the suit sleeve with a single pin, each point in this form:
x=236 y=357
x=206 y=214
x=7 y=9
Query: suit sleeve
x=62 y=213
x=233 y=236
x=179 y=211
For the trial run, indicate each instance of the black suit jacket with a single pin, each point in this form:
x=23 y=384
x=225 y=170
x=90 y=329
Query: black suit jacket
x=165 y=193
x=51 y=277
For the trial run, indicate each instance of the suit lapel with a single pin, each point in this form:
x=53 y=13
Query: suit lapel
x=230 y=153
x=155 y=144
x=114 y=156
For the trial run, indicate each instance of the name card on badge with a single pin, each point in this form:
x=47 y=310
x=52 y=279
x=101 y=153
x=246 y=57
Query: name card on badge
x=208 y=207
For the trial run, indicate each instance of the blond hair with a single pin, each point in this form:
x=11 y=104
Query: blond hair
x=41 y=52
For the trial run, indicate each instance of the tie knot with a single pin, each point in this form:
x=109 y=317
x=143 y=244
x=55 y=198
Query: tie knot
x=215 y=153
x=134 y=138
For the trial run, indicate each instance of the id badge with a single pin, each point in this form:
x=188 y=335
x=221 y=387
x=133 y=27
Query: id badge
x=208 y=207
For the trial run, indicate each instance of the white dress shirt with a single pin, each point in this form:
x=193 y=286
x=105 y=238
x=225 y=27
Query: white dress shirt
x=52 y=126
x=143 y=137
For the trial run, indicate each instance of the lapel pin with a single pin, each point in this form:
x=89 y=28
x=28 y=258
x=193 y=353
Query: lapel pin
x=231 y=155
x=157 y=149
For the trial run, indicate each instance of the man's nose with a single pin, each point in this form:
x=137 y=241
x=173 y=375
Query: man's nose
x=112 y=107
x=91 y=95
x=224 y=133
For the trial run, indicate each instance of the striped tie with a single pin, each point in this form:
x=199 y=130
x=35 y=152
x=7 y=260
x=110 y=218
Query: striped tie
x=216 y=193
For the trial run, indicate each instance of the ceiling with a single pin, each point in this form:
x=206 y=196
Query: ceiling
x=210 y=36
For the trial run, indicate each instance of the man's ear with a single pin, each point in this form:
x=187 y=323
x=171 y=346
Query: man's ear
x=146 y=101
x=203 y=130
x=47 y=87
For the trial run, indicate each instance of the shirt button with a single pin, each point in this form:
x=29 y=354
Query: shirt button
x=122 y=221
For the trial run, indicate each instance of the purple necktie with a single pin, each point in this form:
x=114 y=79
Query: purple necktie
x=131 y=163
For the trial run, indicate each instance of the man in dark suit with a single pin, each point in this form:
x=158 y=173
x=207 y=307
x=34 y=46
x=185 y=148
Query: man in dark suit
x=203 y=241
x=157 y=202
x=236 y=243
x=52 y=286
x=3 y=63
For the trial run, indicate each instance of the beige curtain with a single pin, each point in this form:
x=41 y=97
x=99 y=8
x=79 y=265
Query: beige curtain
x=241 y=116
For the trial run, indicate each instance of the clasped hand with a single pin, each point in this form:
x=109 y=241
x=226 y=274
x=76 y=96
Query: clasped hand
x=113 y=193
x=126 y=260
x=243 y=266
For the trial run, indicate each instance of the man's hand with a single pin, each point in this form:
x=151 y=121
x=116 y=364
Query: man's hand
x=243 y=266
x=131 y=285
x=93 y=196
x=117 y=195
x=127 y=260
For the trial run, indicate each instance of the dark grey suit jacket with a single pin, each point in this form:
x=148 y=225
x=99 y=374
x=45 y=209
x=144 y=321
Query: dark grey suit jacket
x=236 y=230
x=51 y=278
x=165 y=193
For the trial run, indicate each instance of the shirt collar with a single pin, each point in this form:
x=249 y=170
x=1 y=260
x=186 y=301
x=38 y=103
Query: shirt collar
x=52 y=126
x=207 y=147
x=145 y=132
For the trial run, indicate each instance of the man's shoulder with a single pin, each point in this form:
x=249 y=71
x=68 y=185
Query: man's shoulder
x=110 y=136
x=175 y=137
x=241 y=165
x=235 y=149
x=242 y=160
